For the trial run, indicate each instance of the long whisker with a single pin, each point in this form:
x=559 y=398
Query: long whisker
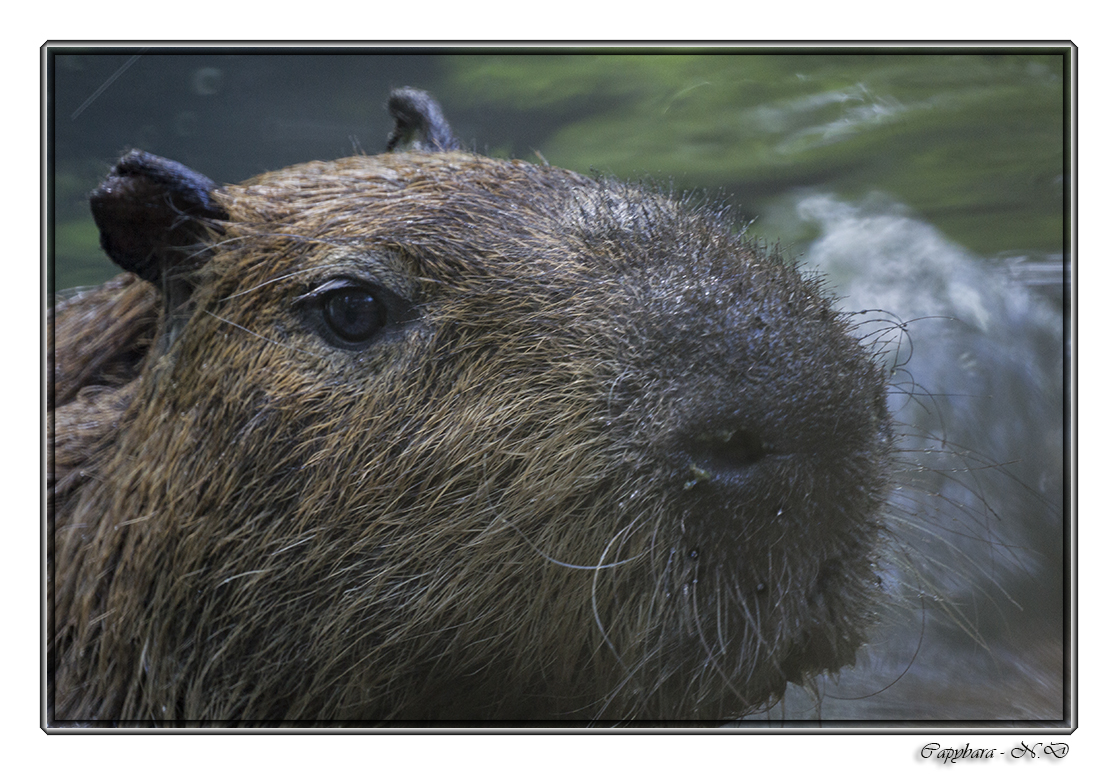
x=261 y=336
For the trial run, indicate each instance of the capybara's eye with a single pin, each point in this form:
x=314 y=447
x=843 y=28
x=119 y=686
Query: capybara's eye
x=353 y=314
x=350 y=313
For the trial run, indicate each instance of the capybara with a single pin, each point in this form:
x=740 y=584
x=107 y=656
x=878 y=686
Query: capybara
x=434 y=436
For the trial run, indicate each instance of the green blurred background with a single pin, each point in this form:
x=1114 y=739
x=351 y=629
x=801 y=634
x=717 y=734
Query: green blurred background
x=971 y=141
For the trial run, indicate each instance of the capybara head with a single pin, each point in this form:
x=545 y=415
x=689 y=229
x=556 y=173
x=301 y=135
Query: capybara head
x=429 y=435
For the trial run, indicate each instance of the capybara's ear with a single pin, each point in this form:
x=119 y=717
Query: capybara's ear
x=150 y=212
x=420 y=124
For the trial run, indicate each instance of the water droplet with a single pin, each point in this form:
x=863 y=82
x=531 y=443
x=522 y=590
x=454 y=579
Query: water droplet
x=206 y=81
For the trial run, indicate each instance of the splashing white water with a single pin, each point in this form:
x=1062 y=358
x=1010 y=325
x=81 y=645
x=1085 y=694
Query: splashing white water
x=978 y=398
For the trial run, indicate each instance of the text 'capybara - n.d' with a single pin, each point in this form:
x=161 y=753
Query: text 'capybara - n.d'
x=434 y=436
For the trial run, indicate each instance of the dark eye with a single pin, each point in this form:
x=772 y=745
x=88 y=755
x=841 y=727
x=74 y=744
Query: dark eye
x=353 y=314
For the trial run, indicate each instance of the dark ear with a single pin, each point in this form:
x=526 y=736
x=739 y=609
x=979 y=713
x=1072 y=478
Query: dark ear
x=150 y=212
x=420 y=125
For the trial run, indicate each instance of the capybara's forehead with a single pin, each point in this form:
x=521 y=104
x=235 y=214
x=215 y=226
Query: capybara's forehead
x=421 y=181
x=447 y=215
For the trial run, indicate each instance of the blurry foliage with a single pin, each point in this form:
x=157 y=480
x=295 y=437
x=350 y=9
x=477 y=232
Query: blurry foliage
x=79 y=239
x=75 y=235
x=972 y=142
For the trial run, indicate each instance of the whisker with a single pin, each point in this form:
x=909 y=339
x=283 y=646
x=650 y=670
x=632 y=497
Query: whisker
x=261 y=336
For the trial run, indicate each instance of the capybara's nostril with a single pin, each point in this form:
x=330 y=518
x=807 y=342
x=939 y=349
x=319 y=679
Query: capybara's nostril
x=733 y=448
x=726 y=454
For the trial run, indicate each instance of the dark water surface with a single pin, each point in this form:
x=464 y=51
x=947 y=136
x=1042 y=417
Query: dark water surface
x=929 y=185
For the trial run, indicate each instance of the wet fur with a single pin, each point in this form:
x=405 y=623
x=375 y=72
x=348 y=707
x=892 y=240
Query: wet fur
x=493 y=513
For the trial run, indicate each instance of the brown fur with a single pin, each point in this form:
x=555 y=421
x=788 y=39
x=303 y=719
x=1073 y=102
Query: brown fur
x=101 y=335
x=513 y=505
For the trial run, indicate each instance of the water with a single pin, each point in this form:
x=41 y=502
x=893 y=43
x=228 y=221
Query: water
x=928 y=188
x=977 y=395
